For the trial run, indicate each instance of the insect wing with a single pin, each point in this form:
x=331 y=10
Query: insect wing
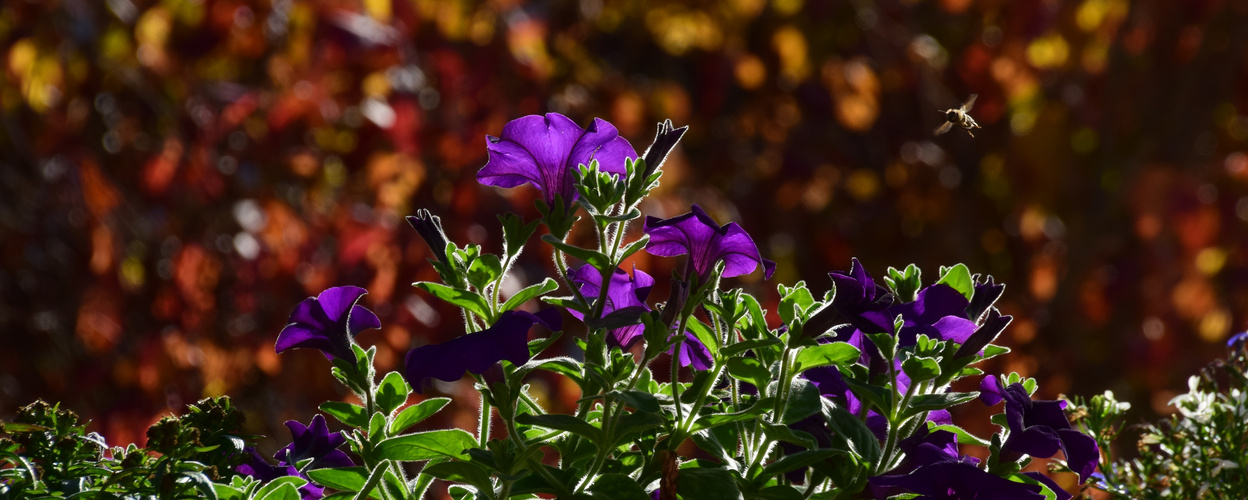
x=943 y=128
x=970 y=103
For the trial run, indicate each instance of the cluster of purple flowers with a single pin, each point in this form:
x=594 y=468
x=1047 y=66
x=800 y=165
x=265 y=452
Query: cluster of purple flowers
x=545 y=151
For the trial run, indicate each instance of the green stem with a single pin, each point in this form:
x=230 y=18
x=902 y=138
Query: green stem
x=782 y=389
x=483 y=433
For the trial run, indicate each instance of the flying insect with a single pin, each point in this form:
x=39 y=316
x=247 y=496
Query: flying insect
x=960 y=117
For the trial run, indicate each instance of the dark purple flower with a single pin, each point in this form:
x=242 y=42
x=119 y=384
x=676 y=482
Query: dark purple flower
x=950 y=480
x=543 y=150
x=693 y=352
x=985 y=295
x=315 y=442
x=625 y=295
x=429 y=227
x=260 y=468
x=706 y=243
x=926 y=448
x=328 y=322
x=507 y=339
x=1040 y=428
x=938 y=311
x=860 y=300
x=665 y=138
x=994 y=323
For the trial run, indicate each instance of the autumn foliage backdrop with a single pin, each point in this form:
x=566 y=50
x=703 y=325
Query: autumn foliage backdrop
x=176 y=175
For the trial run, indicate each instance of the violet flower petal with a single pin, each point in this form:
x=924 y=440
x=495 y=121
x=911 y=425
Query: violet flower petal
x=954 y=480
x=706 y=243
x=476 y=352
x=328 y=322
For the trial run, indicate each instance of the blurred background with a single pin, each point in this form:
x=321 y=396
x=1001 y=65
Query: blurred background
x=176 y=175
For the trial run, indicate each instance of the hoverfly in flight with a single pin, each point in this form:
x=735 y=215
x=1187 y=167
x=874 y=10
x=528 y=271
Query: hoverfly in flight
x=960 y=117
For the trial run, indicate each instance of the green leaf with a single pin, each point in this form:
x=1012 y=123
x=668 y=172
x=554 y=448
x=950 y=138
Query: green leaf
x=833 y=353
x=804 y=401
x=707 y=484
x=618 y=487
x=274 y=490
x=745 y=345
x=906 y=284
x=470 y=301
x=959 y=278
x=285 y=491
x=562 y=365
x=794 y=302
x=1019 y=477
x=798 y=460
x=591 y=257
x=964 y=437
x=639 y=400
x=785 y=433
x=536 y=346
x=758 y=322
x=705 y=335
x=376 y=425
x=750 y=370
x=856 y=434
x=463 y=472
x=392 y=392
x=560 y=422
x=941 y=401
x=634 y=247
x=347 y=413
x=530 y=292
x=776 y=493
x=880 y=397
x=227 y=492
x=414 y=414
x=717 y=419
x=635 y=422
x=426 y=445
x=920 y=368
x=484 y=270
x=343 y=478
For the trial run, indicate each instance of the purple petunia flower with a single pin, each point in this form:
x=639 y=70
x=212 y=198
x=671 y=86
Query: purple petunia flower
x=938 y=311
x=260 y=468
x=315 y=442
x=706 y=243
x=860 y=300
x=625 y=295
x=328 y=322
x=543 y=150
x=953 y=481
x=693 y=352
x=309 y=442
x=429 y=227
x=507 y=339
x=1040 y=428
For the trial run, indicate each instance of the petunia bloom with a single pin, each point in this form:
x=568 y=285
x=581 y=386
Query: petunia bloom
x=1040 y=428
x=665 y=138
x=328 y=322
x=624 y=295
x=543 y=150
x=507 y=339
x=429 y=227
x=707 y=243
x=314 y=441
x=951 y=480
